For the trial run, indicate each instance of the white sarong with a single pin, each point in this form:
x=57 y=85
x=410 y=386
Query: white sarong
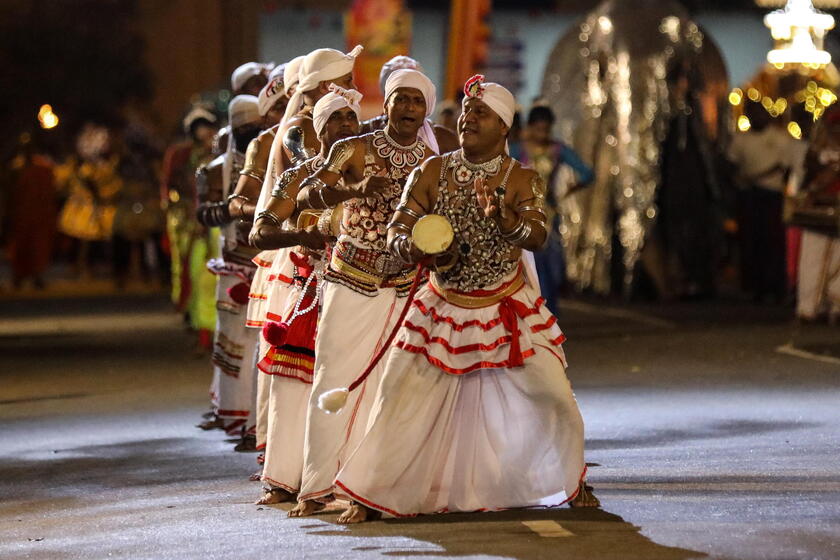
x=234 y=355
x=350 y=330
x=456 y=427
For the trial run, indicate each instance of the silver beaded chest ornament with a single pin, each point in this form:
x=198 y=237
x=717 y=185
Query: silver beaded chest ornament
x=466 y=172
x=484 y=255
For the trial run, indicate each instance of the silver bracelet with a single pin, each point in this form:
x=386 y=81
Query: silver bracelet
x=406 y=210
x=514 y=233
x=392 y=244
x=405 y=249
x=320 y=191
x=398 y=225
x=526 y=233
x=398 y=247
x=234 y=196
x=271 y=217
x=520 y=233
x=539 y=209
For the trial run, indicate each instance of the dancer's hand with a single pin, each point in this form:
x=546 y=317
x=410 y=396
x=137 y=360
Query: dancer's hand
x=313 y=239
x=373 y=185
x=491 y=203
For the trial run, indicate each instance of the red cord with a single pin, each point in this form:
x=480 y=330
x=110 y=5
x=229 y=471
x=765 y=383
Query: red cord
x=379 y=355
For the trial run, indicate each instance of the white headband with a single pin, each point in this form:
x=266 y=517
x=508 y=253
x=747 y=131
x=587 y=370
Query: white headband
x=326 y=64
x=291 y=74
x=497 y=97
x=337 y=98
x=195 y=114
x=242 y=110
x=406 y=78
x=399 y=62
x=269 y=95
x=245 y=73
x=320 y=65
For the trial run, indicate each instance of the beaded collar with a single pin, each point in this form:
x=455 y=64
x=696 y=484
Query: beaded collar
x=466 y=172
x=396 y=154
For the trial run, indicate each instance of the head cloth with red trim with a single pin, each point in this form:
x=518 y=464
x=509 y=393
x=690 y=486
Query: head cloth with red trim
x=496 y=96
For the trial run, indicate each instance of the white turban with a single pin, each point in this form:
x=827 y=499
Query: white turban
x=245 y=73
x=269 y=95
x=407 y=78
x=320 y=65
x=337 y=98
x=399 y=62
x=243 y=109
x=196 y=113
x=277 y=72
x=497 y=97
x=291 y=74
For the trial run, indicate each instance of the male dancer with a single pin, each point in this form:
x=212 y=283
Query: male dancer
x=272 y=102
x=234 y=346
x=474 y=411
x=363 y=281
x=445 y=138
x=289 y=363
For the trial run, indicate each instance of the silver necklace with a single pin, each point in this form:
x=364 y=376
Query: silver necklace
x=397 y=155
x=466 y=172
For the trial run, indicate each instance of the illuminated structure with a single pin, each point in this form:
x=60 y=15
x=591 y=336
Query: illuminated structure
x=799 y=82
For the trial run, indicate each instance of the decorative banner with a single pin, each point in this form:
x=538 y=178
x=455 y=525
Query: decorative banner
x=383 y=27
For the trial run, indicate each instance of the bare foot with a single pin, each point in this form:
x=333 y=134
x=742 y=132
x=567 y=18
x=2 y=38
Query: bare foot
x=357 y=513
x=255 y=477
x=275 y=496
x=585 y=498
x=306 y=507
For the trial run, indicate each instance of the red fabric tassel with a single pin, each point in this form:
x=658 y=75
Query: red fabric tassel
x=239 y=293
x=275 y=333
x=509 y=310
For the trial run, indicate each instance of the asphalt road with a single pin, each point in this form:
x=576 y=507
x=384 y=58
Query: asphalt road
x=712 y=432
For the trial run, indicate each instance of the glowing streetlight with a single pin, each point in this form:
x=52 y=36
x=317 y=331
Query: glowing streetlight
x=47 y=118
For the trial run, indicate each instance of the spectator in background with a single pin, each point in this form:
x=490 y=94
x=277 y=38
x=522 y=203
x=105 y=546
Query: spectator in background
x=91 y=183
x=547 y=155
x=139 y=220
x=763 y=157
x=32 y=211
x=178 y=196
x=819 y=260
x=447 y=114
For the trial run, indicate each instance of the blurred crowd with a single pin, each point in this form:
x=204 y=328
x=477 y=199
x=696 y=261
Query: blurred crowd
x=122 y=206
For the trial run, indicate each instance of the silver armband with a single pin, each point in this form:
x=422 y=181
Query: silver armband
x=271 y=217
x=398 y=225
x=406 y=210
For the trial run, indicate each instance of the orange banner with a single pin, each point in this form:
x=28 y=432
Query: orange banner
x=383 y=27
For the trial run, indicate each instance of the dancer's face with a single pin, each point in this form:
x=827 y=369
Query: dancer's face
x=343 y=123
x=276 y=112
x=345 y=81
x=406 y=110
x=479 y=127
x=254 y=84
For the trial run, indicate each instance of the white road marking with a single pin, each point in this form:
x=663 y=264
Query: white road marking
x=548 y=529
x=791 y=351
